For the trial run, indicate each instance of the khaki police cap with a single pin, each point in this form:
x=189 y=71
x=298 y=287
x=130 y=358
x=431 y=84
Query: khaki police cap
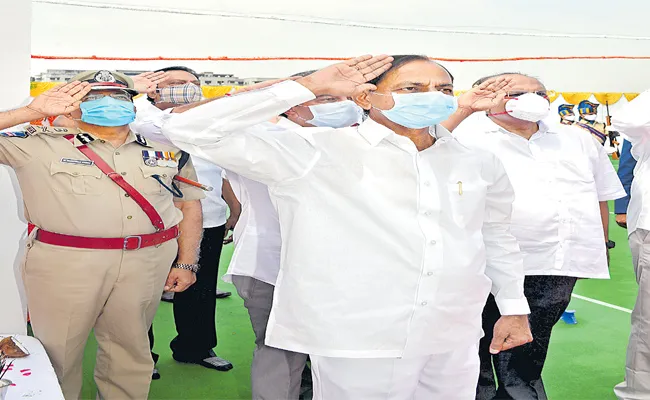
x=107 y=80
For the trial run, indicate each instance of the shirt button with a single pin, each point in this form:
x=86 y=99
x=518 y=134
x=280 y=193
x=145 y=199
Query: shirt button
x=75 y=173
x=428 y=213
x=164 y=175
x=123 y=173
x=117 y=153
x=432 y=243
x=429 y=273
x=129 y=217
x=424 y=303
x=127 y=195
x=427 y=183
x=102 y=141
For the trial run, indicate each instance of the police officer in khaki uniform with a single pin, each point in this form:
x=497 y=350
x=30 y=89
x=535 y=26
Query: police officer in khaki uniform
x=104 y=231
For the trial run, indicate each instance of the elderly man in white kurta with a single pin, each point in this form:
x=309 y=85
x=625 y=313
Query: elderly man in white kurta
x=391 y=242
x=633 y=121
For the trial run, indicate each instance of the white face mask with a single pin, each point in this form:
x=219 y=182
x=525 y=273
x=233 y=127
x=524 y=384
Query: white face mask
x=591 y=117
x=528 y=107
x=336 y=115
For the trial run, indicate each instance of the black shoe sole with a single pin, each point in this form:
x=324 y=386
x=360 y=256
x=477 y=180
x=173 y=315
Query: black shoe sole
x=202 y=363
x=223 y=295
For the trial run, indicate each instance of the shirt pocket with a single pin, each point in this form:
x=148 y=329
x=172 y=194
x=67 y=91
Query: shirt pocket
x=148 y=184
x=77 y=179
x=466 y=202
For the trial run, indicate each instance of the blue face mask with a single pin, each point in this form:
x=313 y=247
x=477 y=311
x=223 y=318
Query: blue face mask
x=420 y=110
x=107 y=111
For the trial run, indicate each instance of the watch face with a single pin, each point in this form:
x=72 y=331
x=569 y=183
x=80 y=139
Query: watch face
x=610 y=244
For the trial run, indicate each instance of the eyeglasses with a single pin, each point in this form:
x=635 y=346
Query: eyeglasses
x=543 y=93
x=116 y=96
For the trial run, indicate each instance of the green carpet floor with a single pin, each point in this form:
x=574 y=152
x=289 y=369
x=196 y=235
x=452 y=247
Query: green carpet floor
x=585 y=361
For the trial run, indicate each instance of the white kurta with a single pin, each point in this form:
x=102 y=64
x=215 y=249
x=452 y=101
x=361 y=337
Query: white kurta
x=256 y=236
x=559 y=176
x=387 y=251
x=634 y=122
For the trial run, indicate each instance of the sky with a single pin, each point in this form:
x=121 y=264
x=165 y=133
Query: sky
x=345 y=28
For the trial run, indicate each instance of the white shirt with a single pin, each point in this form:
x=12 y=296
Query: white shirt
x=384 y=252
x=256 y=236
x=148 y=123
x=559 y=176
x=633 y=121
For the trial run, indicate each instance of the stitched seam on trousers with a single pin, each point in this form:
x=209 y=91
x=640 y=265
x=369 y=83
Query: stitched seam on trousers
x=392 y=380
x=317 y=388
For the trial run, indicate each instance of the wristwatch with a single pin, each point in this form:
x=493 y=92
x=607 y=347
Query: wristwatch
x=610 y=244
x=190 y=267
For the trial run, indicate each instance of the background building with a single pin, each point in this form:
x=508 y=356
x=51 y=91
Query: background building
x=207 y=78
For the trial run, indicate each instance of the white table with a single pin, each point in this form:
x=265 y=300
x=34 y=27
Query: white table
x=33 y=376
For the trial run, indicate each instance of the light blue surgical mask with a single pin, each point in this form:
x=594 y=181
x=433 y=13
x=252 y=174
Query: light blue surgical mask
x=107 y=111
x=420 y=110
x=339 y=114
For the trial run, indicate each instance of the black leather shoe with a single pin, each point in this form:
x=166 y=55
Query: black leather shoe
x=212 y=362
x=222 y=295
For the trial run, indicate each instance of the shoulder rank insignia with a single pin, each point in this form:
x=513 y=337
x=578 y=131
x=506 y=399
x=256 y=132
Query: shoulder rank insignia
x=159 y=159
x=19 y=134
x=84 y=138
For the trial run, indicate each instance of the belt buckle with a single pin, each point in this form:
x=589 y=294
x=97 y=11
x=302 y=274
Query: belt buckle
x=126 y=242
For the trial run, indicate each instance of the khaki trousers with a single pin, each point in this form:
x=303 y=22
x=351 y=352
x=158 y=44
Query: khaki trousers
x=72 y=291
x=637 y=364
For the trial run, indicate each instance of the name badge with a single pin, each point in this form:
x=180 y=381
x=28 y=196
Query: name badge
x=77 y=162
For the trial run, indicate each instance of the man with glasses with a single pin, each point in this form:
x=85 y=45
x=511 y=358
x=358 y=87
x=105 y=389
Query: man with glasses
x=562 y=180
x=105 y=230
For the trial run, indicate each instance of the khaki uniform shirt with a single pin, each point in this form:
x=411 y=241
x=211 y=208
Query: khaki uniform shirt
x=66 y=193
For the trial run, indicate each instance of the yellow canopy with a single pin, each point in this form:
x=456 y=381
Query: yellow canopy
x=216 y=91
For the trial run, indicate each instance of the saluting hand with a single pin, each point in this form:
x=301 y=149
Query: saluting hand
x=510 y=331
x=485 y=96
x=179 y=280
x=147 y=82
x=347 y=78
x=60 y=100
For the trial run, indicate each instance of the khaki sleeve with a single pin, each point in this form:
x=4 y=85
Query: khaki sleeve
x=13 y=150
x=189 y=192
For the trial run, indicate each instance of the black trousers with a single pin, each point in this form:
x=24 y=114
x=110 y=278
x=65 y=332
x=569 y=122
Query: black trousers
x=154 y=356
x=195 y=309
x=519 y=371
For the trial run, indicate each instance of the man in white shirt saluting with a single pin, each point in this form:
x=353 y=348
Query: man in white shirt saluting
x=633 y=121
x=255 y=263
x=562 y=180
x=382 y=315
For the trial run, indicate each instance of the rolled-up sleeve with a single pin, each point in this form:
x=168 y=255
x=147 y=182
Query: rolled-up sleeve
x=608 y=185
x=505 y=266
x=231 y=132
